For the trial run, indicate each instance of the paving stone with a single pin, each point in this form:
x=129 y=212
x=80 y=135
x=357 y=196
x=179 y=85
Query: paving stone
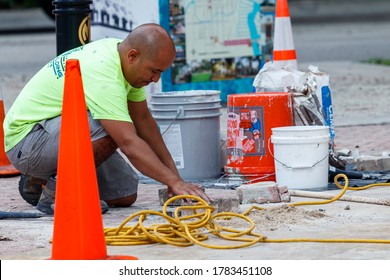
x=367 y=139
x=163 y=197
x=284 y=194
x=224 y=201
x=369 y=163
x=385 y=163
x=263 y=192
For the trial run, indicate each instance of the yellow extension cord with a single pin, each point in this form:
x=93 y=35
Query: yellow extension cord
x=193 y=229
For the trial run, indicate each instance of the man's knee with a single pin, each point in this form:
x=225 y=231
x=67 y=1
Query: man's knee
x=122 y=202
x=103 y=148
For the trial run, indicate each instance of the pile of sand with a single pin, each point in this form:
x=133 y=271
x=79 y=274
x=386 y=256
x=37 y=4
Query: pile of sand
x=280 y=217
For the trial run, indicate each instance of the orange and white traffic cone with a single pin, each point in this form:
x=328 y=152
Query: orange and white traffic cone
x=6 y=168
x=284 y=50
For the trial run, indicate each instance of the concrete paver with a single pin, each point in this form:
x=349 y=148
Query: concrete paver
x=367 y=139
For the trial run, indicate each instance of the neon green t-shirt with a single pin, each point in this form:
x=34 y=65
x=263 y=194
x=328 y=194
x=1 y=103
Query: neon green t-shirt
x=106 y=90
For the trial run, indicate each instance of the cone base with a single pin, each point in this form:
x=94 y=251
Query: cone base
x=121 y=258
x=112 y=258
x=8 y=170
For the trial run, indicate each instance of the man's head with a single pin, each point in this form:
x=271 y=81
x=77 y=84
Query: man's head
x=145 y=53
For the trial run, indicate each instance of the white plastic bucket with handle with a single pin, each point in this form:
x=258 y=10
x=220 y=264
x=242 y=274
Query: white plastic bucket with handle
x=301 y=156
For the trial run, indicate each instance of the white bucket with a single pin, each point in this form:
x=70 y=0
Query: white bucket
x=190 y=124
x=301 y=156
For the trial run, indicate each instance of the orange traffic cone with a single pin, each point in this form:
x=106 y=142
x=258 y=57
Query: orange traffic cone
x=6 y=168
x=78 y=226
x=284 y=50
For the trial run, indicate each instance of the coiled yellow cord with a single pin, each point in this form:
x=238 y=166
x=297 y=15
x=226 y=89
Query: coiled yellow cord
x=192 y=229
x=182 y=230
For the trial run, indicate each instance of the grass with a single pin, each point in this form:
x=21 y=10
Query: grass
x=201 y=77
x=379 y=61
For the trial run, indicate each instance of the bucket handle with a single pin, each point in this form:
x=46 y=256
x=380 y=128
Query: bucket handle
x=179 y=110
x=302 y=167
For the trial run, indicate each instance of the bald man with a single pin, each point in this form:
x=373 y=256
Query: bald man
x=114 y=73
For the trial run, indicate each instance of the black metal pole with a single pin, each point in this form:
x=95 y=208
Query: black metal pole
x=73 y=23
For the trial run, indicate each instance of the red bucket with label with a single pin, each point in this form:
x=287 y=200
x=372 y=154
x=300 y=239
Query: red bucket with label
x=249 y=122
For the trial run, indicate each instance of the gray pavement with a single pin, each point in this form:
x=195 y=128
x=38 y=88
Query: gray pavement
x=25 y=20
x=322 y=11
x=30 y=238
x=360 y=95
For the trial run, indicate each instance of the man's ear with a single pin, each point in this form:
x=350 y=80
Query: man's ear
x=132 y=55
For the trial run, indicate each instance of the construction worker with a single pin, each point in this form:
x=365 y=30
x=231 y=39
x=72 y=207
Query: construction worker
x=114 y=73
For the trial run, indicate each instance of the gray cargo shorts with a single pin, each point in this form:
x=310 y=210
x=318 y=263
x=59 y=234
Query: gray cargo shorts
x=37 y=155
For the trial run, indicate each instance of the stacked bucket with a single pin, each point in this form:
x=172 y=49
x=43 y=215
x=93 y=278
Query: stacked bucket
x=190 y=123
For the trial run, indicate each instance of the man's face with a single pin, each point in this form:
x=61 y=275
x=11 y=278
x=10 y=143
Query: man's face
x=144 y=70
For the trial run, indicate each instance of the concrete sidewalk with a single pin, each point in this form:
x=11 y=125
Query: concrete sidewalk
x=342 y=220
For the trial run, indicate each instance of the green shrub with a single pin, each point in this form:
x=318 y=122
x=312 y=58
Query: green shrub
x=380 y=61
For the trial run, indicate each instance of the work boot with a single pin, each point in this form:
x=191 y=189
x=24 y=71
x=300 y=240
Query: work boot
x=30 y=188
x=46 y=201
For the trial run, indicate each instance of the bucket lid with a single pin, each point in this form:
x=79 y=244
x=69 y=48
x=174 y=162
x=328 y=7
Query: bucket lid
x=217 y=101
x=301 y=128
x=182 y=109
x=302 y=131
x=186 y=93
x=299 y=140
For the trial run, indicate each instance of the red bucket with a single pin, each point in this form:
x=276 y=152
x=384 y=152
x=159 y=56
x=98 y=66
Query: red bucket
x=249 y=122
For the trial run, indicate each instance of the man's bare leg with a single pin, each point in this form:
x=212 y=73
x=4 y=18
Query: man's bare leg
x=103 y=148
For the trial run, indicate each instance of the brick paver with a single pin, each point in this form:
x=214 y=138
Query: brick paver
x=369 y=139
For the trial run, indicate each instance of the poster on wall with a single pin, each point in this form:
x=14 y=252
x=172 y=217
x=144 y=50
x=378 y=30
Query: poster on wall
x=220 y=44
x=117 y=18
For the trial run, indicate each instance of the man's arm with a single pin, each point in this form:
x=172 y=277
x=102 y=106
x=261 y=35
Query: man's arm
x=148 y=130
x=143 y=157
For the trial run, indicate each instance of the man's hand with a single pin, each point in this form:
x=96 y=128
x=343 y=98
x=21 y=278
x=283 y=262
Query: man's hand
x=184 y=188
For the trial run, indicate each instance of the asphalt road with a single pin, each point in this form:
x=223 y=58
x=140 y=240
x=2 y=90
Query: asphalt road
x=342 y=41
x=357 y=41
